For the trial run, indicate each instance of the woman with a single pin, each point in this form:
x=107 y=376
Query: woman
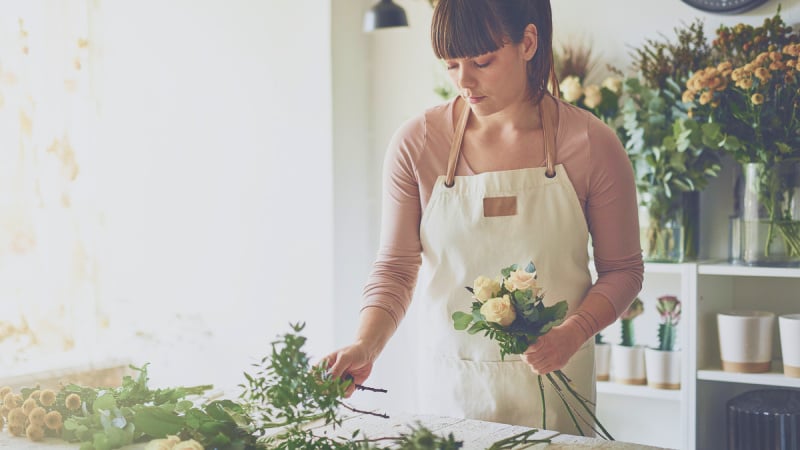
x=503 y=174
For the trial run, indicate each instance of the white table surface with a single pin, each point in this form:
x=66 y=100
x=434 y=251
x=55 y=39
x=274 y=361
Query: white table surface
x=476 y=434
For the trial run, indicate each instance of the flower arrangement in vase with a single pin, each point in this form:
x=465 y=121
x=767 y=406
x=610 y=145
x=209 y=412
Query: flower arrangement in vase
x=627 y=358
x=671 y=161
x=663 y=363
x=574 y=64
x=750 y=101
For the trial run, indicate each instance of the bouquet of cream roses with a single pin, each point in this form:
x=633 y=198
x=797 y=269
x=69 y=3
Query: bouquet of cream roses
x=510 y=309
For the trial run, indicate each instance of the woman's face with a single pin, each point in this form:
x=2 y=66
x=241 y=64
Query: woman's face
x=492 y=81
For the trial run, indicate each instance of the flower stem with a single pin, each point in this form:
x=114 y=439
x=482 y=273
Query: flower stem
x=544 y=409
x=566 y=404
x=583 y=402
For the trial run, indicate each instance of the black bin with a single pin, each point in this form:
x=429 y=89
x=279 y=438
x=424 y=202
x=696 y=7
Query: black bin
x=765 y=419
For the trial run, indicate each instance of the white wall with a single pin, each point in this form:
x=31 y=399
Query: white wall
x=217 y=173
x=403 y=72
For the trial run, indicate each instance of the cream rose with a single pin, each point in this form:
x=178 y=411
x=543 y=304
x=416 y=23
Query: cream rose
x=592 y=96
x=613 y=84
x=191 y=444
x=484 y=288
x=521 y=280
x=499 y=310
x=163 y=444
x=571 y=88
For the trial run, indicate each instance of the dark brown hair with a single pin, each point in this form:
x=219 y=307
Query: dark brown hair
x=469 y=28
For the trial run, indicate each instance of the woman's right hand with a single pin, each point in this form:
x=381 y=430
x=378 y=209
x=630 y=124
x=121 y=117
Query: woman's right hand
x=353 y=360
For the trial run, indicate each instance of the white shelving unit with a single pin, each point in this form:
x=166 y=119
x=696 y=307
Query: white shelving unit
x=642 y=414
x=694 y=416
x=723 y=287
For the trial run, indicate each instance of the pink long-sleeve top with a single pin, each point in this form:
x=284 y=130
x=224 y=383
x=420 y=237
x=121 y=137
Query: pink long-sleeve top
x=594 y=159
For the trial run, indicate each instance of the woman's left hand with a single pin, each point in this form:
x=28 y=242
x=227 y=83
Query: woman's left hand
x=553 y=350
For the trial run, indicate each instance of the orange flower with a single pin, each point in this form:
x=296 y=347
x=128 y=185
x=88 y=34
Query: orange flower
x=36 y=416
x=47 y=397
x=757 y=98
x=35 y=432
x=72 y=402
x=52 y=420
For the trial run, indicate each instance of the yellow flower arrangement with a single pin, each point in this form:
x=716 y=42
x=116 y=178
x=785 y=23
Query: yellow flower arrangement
x=750 y=102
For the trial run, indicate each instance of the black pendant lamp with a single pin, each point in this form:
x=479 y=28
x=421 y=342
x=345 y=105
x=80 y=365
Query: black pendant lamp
x=385 y=14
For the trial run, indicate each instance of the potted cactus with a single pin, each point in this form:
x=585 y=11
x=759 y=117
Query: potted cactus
x=602 y=357
x=627 y=358
x=663 y=364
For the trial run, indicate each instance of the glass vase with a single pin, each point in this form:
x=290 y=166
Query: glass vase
x=770 y=227
x=669 y=226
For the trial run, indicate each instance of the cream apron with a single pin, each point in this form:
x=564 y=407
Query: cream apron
x=477 y=225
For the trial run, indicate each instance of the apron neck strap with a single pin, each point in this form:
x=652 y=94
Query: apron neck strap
x=548 y=114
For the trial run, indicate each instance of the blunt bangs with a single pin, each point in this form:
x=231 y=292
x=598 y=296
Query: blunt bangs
x=465 y=29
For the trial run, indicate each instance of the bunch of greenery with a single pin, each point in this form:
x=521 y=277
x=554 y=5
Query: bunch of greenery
x=669 y=310
x=511 y=311
x=666 y=146
x=626 y=320
x=281 y=406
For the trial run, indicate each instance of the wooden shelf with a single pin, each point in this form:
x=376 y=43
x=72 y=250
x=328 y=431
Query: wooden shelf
x=609 y=387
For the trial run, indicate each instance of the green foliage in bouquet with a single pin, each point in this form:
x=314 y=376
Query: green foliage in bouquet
x=516 y=317
x=626 y=321
x=669 y=311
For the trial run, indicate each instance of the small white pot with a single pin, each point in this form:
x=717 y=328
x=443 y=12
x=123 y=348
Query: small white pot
x=663 y=368
x=602 y=361
x=745 y=340
x=627 y=364
x=789 y=325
